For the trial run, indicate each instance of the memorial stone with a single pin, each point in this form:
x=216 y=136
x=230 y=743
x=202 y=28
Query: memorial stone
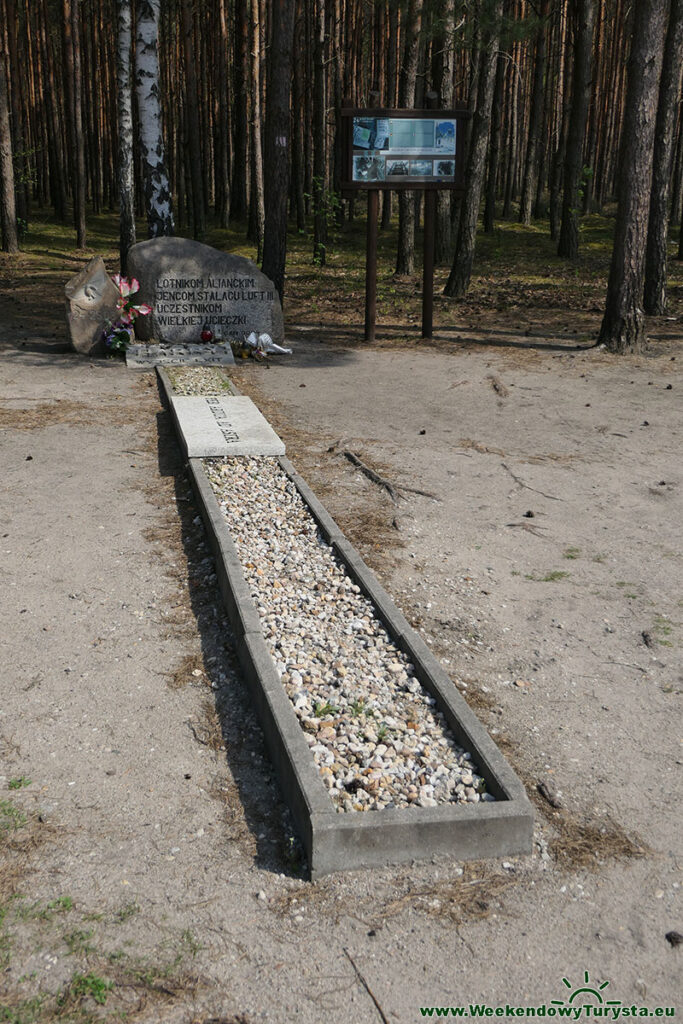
x=190 y=285
x=91 y=304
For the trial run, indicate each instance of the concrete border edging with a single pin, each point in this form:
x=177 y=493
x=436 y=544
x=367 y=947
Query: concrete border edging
x=342 y=841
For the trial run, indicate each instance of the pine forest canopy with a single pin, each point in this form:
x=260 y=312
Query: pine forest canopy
x=231 y=109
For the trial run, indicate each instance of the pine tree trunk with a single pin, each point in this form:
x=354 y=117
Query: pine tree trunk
x=390 y=99
x=192 y=122
x=442 y=79
x=155 y=176
x=8 y=214
x=58 y=172
x=306 y=57
x=594 y=123
x=473 y=71
x=276 y=165
x=584 y=13
x=405 y=258
x=298 y=159
x=623 y=325
x=494 y=147
x=612 y=128
x=540 y=206
x=238 y=192
x=461 y=271
x=654 y=302
x=256 y=201
x=97 y=136
x=557 y=165
x=319 y=137
x=677 y=183
x=533 y=151
x=79 y=162
x=223 y=126
x=68 y=79
x=19 y=132
x=125 y=110
x=338 y=148
x=511 y=147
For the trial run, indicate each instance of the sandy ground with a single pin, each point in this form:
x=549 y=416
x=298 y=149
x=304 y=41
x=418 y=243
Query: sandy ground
x=146 y=859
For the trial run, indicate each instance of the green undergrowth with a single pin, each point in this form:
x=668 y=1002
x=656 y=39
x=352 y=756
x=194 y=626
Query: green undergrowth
x=105 y=976
x=550 y=577
x=518 y=281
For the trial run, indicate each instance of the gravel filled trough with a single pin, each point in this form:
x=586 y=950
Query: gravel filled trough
x=375 y=733
x=378 y=756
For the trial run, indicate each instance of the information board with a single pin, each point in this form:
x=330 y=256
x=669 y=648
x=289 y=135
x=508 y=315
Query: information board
x=404 y=149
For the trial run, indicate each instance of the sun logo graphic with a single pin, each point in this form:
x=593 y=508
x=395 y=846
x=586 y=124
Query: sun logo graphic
x=586 y=994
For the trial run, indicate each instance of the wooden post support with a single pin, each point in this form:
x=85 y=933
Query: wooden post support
x=428 y=263
x=429 y=242
x=371 y=265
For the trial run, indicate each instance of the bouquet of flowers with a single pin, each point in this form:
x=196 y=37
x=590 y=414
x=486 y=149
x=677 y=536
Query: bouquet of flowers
x=119 y=333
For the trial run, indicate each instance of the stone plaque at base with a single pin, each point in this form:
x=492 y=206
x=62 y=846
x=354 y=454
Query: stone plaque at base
x=213 y=426
x=191 y=286
x=147 y=356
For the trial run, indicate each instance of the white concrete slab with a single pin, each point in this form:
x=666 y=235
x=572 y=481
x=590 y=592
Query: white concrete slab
x=213 y=426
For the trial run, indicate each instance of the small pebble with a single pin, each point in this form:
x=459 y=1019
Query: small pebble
x=375 y=734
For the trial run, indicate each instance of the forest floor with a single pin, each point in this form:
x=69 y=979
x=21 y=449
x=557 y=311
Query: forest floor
x=147 y=866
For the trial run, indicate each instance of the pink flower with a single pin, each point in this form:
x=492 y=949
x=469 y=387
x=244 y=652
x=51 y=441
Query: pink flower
x=125 y=286
x=143 y=309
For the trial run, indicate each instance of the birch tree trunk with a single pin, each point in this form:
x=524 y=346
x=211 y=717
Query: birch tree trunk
x=657 y=232
x=461 y=271
x=623 y=325
x=125 y=110
x=155 y=176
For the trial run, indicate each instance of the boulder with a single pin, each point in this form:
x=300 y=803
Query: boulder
x=91 y=303
x=190 y=285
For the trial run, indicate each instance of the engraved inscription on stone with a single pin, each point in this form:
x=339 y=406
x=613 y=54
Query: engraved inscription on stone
x=224 y=424
x=197 y=301
x=179 y=355
x=215 y=426
x=191 y=286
